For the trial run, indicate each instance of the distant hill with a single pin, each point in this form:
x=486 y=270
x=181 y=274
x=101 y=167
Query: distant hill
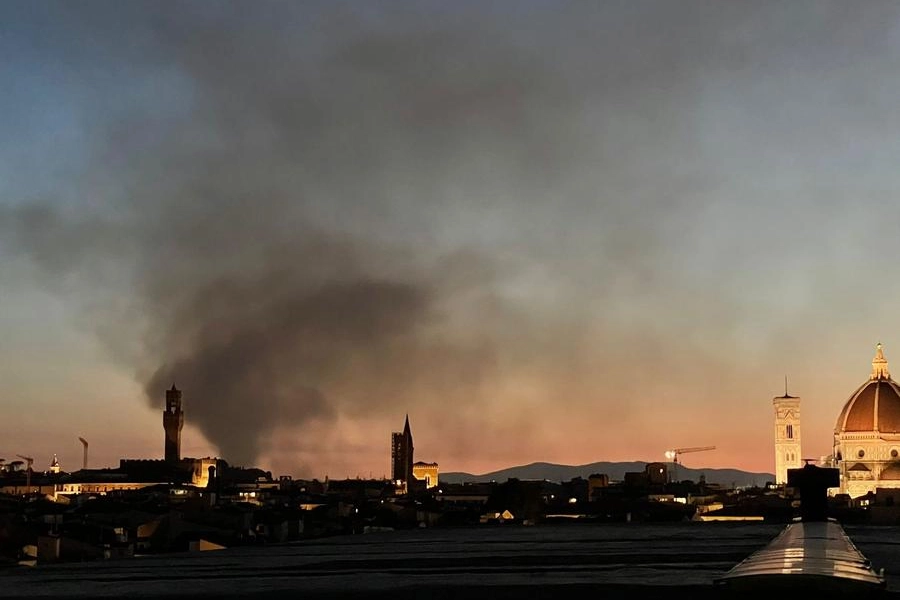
x=614 y=470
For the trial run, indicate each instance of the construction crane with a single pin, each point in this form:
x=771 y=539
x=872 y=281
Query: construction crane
x=85 y=444
x=676 y=452
x=28 y=461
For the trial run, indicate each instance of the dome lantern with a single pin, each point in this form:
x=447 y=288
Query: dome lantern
x=879 y=365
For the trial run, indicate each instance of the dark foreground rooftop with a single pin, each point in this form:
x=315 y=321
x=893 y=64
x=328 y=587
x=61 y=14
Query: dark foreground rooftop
x=544 y=561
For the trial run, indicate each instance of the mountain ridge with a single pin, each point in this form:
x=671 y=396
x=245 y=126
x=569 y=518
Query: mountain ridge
x=614 y=470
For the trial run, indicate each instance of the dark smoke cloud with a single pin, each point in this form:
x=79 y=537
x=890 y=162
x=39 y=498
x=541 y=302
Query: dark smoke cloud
x=206 y=249
x=307 y=330
x=271 y=346
x=255 y=367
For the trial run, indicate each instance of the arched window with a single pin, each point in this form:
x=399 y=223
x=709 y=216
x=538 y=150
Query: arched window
x=790 y=432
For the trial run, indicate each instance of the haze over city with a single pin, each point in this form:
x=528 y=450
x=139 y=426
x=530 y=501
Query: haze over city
x=547 y=231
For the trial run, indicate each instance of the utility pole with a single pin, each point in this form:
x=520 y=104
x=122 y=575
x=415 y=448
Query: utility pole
x=85 y=444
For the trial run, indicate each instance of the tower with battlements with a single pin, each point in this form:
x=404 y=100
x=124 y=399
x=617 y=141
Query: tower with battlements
x=173 y=422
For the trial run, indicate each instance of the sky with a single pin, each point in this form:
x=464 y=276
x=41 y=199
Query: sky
x=545 y=230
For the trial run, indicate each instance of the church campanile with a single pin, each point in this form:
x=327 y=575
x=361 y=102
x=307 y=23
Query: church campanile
x=173 y=421
x=787 y=435
x=402 y=458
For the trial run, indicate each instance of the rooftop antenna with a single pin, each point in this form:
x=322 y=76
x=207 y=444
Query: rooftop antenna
x=785 y=386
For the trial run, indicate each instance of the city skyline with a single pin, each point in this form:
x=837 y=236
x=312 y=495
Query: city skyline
x=108 y=462
x=547 y=231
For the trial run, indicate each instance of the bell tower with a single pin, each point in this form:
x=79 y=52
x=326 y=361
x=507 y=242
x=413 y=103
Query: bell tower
x=787 y=435
x=173 y=421
x=402 y=458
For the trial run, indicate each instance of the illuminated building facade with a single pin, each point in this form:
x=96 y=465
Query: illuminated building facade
x=202 y=470
x=173 y=422
x=427 y=472
x=787 y=435
x=867 y=434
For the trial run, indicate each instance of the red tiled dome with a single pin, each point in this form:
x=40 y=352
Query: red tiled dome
x=875 y=406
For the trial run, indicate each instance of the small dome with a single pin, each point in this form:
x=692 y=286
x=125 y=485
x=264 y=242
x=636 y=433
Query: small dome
x=875 y=405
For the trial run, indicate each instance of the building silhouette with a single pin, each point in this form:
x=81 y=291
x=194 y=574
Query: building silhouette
x=787 y=435
x=173 y=422
x=402 y=458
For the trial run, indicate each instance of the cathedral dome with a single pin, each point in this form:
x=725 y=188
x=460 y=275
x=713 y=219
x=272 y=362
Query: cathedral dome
x=875 y=405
